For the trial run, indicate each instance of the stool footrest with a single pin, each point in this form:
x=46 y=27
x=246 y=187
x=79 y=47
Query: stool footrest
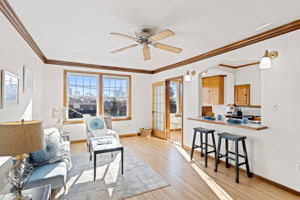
x=234 y=154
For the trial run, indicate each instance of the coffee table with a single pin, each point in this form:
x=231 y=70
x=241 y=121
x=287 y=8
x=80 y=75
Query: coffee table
x=105 y=148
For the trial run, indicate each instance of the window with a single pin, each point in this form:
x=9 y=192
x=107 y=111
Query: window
x=83 y=94
x=116 y=96
x=174 y=97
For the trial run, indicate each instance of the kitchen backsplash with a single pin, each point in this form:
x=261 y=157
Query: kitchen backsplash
x=251 y=111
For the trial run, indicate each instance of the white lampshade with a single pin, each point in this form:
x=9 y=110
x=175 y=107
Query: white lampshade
x=59 y=113
x=265 y=63
x=187 y=77
x=19 y=138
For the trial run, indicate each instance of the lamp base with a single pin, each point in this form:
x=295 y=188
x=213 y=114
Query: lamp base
x=22 y=196
x=19 y=175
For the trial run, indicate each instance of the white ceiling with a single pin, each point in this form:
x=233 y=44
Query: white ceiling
x=78 y=30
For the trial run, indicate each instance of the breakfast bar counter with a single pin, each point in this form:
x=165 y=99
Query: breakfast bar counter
x=256 y=127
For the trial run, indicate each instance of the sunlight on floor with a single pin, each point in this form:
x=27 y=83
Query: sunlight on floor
x=88 y=175
x=212 y=184
x=113 y=170
x=209 y=181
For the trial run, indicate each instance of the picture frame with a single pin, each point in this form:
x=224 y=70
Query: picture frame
x=10 y=89
x=27 y=80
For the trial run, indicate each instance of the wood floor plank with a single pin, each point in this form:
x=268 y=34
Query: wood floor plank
x=185 y=183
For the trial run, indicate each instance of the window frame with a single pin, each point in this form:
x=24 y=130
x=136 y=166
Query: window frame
x=100 y=94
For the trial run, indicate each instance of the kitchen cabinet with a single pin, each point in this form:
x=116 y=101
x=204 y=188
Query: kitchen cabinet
x=242 y=95
x=213 y=90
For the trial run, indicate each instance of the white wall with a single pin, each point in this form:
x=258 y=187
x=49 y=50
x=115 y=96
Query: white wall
x=140 y=101
x=14 y=54
x=250 y=75
x=274 y=153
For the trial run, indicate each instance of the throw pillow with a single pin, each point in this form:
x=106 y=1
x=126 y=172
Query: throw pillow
x=50 y=150
x=97 y=123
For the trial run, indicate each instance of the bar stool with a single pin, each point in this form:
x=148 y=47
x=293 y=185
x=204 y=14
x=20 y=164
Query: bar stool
x=204 y=145
x=235 y=139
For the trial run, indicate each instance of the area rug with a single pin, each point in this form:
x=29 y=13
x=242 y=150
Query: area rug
x=138 y=177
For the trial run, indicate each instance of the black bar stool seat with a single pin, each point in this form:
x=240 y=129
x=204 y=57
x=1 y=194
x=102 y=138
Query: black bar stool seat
x=204 y=145
x=235 y=139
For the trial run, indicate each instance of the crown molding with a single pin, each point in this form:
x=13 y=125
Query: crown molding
x=292 y=26
x=12 y=17
x=15 y=21
x=94 y=66
x=239 y=66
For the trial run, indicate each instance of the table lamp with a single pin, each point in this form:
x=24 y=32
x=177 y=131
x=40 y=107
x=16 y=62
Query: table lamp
x=18 y=139
x=60 y=114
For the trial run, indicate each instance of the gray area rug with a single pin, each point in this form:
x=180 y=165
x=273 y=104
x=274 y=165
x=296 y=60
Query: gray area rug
x=138 y=177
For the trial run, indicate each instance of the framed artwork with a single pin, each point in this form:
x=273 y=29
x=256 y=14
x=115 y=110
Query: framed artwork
x=10 y=89
x=27 y=80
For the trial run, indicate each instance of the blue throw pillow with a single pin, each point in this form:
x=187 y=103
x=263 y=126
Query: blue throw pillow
x=96 y=124
x=43 y=156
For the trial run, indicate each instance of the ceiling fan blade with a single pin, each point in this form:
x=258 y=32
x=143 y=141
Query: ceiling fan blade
x=167 y=47
x=124 y=48
x=162 y=35
x=146 y=52
x=124 y=36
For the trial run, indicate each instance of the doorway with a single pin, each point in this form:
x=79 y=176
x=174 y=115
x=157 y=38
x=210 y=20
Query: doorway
x=174 y=110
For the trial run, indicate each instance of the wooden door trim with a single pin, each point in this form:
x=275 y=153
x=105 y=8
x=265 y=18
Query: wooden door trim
x=182 y=107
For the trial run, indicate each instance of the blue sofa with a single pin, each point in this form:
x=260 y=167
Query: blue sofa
x=54 y=173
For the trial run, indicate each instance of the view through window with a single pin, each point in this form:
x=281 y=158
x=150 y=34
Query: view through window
x=174 y=88
x=83 y=95
x=115 y=96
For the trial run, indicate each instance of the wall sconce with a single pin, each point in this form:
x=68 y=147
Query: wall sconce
x=188 y=76
x=265 y=62
x=204 y=73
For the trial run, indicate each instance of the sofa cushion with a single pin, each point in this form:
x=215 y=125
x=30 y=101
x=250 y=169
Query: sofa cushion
x=52 y=173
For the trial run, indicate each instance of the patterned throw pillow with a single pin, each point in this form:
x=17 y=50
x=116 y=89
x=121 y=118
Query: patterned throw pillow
x=96 y=123
x=52 y=146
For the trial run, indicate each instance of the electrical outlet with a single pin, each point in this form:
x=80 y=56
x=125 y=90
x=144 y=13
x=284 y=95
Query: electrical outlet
x=298 y=167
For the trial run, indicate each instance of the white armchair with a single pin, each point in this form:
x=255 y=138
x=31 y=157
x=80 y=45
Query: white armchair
x=96 y=128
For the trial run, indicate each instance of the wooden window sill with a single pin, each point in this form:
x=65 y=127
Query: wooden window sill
x=81 y=121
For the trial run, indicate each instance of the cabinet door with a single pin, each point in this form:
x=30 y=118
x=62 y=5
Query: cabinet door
x=242 y=95
x=214 y=90
x=205 y=91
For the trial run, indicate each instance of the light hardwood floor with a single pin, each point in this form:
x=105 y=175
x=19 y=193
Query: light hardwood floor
x=171 y=162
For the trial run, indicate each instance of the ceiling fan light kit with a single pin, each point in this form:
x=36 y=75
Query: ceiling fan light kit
x=146 y=37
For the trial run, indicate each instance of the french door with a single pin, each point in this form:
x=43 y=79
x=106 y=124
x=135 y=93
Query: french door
x=158 y=110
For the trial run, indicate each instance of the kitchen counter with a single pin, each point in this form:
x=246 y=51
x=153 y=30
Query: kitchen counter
x=250 y=126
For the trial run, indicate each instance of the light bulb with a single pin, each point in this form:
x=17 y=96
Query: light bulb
x=187 y=77
x=265 y=63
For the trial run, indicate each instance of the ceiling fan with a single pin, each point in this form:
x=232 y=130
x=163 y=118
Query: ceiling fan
x=146 y=37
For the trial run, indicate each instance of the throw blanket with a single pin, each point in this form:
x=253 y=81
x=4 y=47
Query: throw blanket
x=63 y=155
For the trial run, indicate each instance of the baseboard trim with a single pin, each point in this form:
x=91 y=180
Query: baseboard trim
x=77 y=141
x=128 y=135
x=278 y=185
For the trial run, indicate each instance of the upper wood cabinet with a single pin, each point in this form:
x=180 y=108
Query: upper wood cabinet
x=242 y=95
x=213 y=90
